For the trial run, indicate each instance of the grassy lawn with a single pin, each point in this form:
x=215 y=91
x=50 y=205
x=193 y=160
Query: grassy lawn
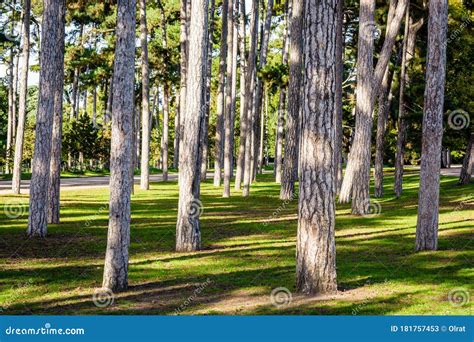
x=248 y=250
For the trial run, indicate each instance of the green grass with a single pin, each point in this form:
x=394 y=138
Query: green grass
x=247 y=252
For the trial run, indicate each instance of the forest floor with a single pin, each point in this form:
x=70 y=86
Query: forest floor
x=248 y=252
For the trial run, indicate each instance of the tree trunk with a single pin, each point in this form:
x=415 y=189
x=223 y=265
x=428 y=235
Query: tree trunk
x=357 y=178
x=281 y=112
x=292 y=135
x=11 y=111
x=188 y=235
x=243 y=98
x=221 y=96
x=468 y=163
x=408 y=52
x=316 y=248
x=250 y=84
x=51 y=65
x=56 y=141
x=145 y=155
x=94 y=106
x=228 y=117
x=259 y=89
x=204 y=144
x=118 y=240
x=339 y=80
x=184 y=51
x=428 y=202
x=20 y=133
x=165 y=136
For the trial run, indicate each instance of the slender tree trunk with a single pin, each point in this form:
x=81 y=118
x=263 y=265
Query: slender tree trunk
x=165 y=136
x=228 y=118
x=428 y=202
x=51 y=65
x=188 y=235
x=56 y=141
x=292 y=141
x=281 y=111
x=110 y=99
x=118 y=240
x=11 y=112
x=20 y=133
x=204 y=144
x=250 y=84
x=145 y=155
x=243 y=98
x=184 y=51
x=259 y=88
x=316 y=248
x=468 y=163
x=339 y=80
x=408 y=52
x=221 y=96
x=94 y=106
x=357 y=178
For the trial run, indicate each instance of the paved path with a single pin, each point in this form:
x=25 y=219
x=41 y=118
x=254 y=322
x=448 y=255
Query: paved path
x=103 y=181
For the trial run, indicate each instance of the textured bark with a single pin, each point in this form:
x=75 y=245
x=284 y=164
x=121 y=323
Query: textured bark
x=118 y=240
x=292 y=141
x=428 y=201
x=221 y=97
x=316 y=248
x=257 y=109
x=408 y=52
x=184 y=51
x=51 y=64
x=229 y=101
x=94 y=106
x=204 y=143
x=56 y=141
x=468 y=162
x=357 y=178
x=188 y=235
x=20 y=133
x=243 y=98
x=250 y=84
x=145 y=152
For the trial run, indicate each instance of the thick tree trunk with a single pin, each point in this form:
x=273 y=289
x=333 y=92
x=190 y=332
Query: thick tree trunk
x=221 y=97
x=228 y=113
x=118 y=240
x=145 y=155
x=243 y=98
x=20 y=133
x=428 y=202
x=204 y=144
x=468 y=163
x=316 y=248
x=188 y=235
x=292 y=135
x=357 y=178
x=56 y=141
x=250 y=84
x=51 y=65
